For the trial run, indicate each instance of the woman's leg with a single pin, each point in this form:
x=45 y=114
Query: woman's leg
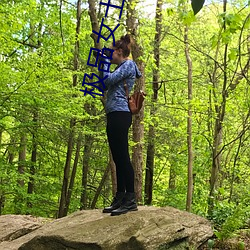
x=118 y=124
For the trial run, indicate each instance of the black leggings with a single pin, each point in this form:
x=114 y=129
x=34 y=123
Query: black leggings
x=118 y=123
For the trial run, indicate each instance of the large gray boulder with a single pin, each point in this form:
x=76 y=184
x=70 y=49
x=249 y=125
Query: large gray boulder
x=15 y=226
x=147 y=229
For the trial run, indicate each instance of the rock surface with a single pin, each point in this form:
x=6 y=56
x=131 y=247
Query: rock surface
x=147 y=229
x=15 y=226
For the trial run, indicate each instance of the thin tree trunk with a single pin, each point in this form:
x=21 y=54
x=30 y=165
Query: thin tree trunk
x=21 y=159
x=35 y=112
x=233 y=173
x=151 y=134
x=73 y=174
x=66 y=176
x=62 y=205
x=2 y=198
x=217 y=142
x=172 y=170
x=11 y=154
x=189 y=125
x=32 y=167
x=2 y=201
x=77 y=43
x=1 y=180
x=137 y=126
x=19 y=199
x=172 y=178
x=99 y=189
x=33 y=156
x=85 y=170
x=1 y=137
x=95 y=26
x=88 y=139
x=94 y=22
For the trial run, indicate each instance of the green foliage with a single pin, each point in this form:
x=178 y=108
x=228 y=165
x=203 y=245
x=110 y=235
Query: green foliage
x=222 y=210
x=39 y=79
x=234 y=221
x=210 y=244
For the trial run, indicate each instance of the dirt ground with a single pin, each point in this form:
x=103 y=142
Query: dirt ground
x=232 y=244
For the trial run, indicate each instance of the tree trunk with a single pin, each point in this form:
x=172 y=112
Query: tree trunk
x=11 y=155
x=85 y=170
x=99 y=189
x=66 y=176
x=94 y=22
x=62 y=205
x=151 y=134
x=189 y=125
x=73 y=174
x=217 y=142
x=2 y=200
x=1 y=134
x=172 y=170
x=95 y=26
x=33 y=156
x=77 y=43
x=19 y=199
x=21 y=159
x=35 y=112
x=137 y=126
x=1 y=179
x=172 y=178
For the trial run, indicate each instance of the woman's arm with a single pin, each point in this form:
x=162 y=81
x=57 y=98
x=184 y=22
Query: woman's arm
x=124 y=71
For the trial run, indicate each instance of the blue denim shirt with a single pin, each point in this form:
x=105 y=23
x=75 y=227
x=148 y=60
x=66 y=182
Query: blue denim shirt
x=116 y=95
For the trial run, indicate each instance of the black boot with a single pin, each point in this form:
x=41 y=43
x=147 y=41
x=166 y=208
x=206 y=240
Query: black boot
x=116 y=203
x=128 y=204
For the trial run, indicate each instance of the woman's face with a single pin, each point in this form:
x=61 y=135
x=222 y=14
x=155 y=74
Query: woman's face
x=117 y=56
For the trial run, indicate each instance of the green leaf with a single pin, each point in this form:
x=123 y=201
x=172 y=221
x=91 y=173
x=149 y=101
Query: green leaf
x=188 y=17
x=233 y=54
x=197 y=5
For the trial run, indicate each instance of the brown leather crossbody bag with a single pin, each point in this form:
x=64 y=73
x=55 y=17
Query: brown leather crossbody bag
x=135 y=101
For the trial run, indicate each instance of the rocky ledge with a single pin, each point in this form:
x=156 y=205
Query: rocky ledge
x=148 y=228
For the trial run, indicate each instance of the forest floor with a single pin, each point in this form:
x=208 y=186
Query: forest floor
x=241 y=242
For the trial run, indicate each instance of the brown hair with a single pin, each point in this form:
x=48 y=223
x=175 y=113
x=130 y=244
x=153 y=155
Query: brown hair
x=124 y=43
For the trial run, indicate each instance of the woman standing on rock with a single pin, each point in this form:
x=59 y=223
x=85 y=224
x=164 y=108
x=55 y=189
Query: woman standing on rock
x=119 y=120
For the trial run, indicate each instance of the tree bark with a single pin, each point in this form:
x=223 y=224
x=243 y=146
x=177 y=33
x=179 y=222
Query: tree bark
x=151 y=134
x=95 y=26
x=172 y=170
x=189 y=124
x=62 y=205
x=137 y=126
x=19 y=199
x=11 y=152
x=2 y=198
x=77 y=43
x=94 y=22
x=217 y=141
x=1 y=134
x=66 y=176
x=2 y=201
x=99 y=189
x=85 y=170
x=33 y=156
x=35 y=111
x=73 y=174
x=21 y=159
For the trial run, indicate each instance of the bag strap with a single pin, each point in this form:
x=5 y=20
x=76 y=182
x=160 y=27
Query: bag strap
x=126 y=89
